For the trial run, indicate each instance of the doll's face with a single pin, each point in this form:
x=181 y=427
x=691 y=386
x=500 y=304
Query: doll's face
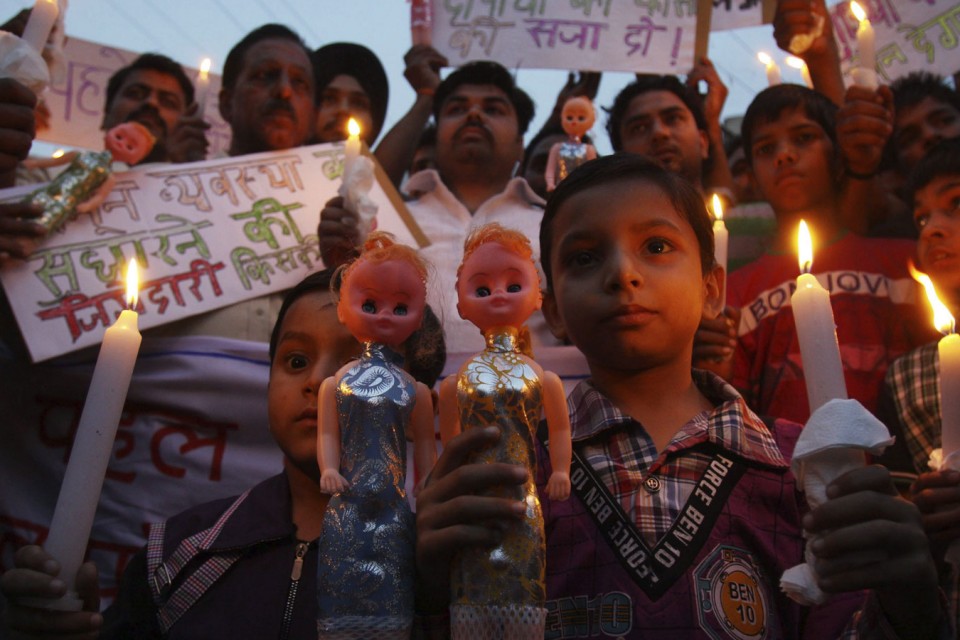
x=497 y=288
x=129 y=142
x=577 y=116
x=382 y=301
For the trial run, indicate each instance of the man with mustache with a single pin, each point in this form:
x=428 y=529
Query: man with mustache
x=481 y=117
x=154 y=91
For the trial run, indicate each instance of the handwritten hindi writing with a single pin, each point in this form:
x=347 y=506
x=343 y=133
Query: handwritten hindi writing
x=604 y=35
x=205 y=235
x=911 y=36
x=76 y=103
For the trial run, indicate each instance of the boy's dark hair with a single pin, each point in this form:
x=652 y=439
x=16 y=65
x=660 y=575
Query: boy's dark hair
x=645 y=84
x=152 y=62
x=769 y=105
x=913 y=88
x=234 y=63
x=361 y=64
x=629 y=167
x=319 y=281
x=943 y=160
x=486 y=72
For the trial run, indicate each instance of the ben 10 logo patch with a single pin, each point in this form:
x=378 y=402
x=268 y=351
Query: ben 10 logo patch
x=732 y=598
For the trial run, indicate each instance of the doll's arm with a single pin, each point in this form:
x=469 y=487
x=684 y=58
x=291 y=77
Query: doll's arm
x=98 y=196
x=550 y=175
x=558 y=424
x=449 y=416
x=328 y=439
x=591 y=152
x=424 y=441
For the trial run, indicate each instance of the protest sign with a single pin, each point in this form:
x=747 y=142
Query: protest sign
x=205 y=235
x=76 y=102
x=600 y=35
x=911 y=35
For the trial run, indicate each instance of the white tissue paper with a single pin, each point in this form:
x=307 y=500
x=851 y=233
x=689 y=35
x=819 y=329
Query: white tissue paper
x=835 y=440
x=20 y=61
x=803 y=41
x=355 y=190
x=952 y=462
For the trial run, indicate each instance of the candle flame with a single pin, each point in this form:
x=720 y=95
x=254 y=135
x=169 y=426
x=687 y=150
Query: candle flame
x=858 y=11
x=942 y=318
x=57 y=154
x=764 y=57
x=804 y=248
x=133 y=282
x=205 y=67
x=717 y=208
x=795 y=62
x=353 y=128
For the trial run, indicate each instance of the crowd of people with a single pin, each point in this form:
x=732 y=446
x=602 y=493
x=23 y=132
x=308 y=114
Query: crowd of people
x=691 y=369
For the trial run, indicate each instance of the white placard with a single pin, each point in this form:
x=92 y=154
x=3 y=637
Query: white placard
x=205 y=234
x=601 y=35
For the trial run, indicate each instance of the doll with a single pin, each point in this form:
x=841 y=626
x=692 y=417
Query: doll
x=499 y=592
x=576 y=118
x=366 y=565
x=86 y=182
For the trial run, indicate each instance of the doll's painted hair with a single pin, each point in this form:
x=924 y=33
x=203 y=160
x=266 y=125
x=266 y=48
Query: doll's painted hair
x=380 y=246
x=511 y=239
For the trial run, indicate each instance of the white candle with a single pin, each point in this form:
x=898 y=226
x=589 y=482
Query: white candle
x=948 y=351
x=351 y=149
x=202 y=86
x=93 y=445
x=42 y=17
x=773 y=71
x=866 y=74
x=798 y=63
x=816 y=332
x=721 y=239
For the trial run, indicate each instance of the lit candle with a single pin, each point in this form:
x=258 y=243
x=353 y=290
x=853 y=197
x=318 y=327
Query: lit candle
x=93 y=444
x=351 y=150
x=948 y=350
x=798 y=63
x=203 y=86
x=866 y=74
x=816 y=332
x=720 y=240
x=42 y=17
x=773 y=71
x=421 y=22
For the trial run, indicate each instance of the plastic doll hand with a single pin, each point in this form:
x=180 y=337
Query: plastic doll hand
x=17 y=124
x=332 y=482
x=35 y=576
x=866 y=537
x=802 y=27
x=338 y=232
x=19 y=236
x=95 y=200
x=187 y=141
x=937 y=496
x=558 y=486
x=864 y=125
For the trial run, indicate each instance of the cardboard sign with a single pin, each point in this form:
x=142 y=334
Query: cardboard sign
x=205 y=235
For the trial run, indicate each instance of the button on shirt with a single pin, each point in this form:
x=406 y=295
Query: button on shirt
x=447 y=222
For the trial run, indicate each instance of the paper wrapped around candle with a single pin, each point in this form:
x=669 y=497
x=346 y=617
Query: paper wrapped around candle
x=92 y=447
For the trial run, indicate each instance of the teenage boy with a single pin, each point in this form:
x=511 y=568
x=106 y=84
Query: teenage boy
x=790 y=142
x=708 y=510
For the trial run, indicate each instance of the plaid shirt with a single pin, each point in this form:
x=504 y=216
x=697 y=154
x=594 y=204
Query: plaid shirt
x=625 y=457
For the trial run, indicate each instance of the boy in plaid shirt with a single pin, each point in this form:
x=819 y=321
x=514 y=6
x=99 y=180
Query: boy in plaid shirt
x=694 y=513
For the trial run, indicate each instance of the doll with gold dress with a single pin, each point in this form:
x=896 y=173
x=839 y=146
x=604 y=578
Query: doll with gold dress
x=576 y=118
x=366 y=564
x=499 y=592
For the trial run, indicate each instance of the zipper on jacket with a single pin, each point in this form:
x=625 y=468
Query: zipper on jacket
x=292 y=591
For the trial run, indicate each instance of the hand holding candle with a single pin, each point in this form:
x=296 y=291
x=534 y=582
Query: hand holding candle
x=866 y=74
x=93 y=445
x=816 y=331
x=773 y=71
x=358 y=179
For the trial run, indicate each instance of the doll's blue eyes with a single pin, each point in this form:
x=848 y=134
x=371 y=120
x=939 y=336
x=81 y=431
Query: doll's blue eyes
x=400 y=310
x=483 y=292
x=513 y=288
x=369 y=307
